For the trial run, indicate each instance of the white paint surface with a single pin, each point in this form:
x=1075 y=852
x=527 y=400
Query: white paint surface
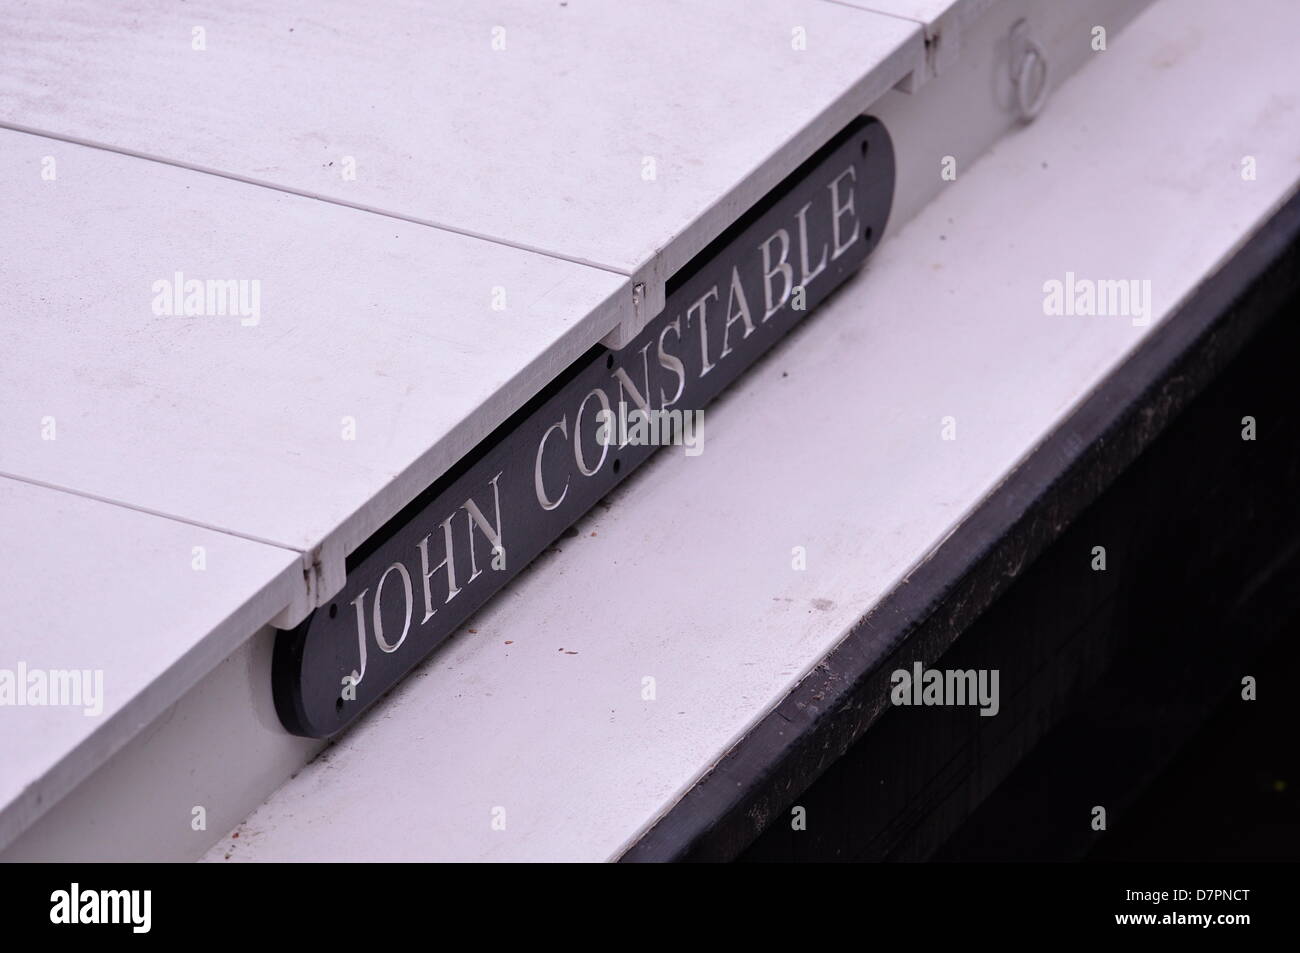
x=366 y=322
x=543 y=143
x=962 y=112
x=832 y=444
x=945 y=22
x=220 y=748
x=88 y=586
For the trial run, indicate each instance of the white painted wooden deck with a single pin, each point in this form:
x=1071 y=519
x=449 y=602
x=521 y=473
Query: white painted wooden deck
x=833 y=443
x=521 y=171
x=623 y=135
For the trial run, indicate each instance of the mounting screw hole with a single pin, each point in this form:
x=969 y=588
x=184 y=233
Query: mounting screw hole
x=617 y=465
x=334 y=609
x=865 y=146
x=867 y=234
x=609 y=362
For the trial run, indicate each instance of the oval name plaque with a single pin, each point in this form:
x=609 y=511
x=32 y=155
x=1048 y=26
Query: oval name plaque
x=425 y=572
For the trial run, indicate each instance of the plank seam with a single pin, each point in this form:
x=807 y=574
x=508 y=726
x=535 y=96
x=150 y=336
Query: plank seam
x=149 y=512
x=303 y=193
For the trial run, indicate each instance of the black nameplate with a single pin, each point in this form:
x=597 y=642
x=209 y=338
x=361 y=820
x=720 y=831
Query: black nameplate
x=439 y=560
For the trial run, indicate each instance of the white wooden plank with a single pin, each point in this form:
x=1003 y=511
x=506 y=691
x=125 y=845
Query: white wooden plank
x=100 y=589
x=220 y=747
x=532 y=123
x=945 y=23
x=833 y=444
x=927 y=12
x=363 y=321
